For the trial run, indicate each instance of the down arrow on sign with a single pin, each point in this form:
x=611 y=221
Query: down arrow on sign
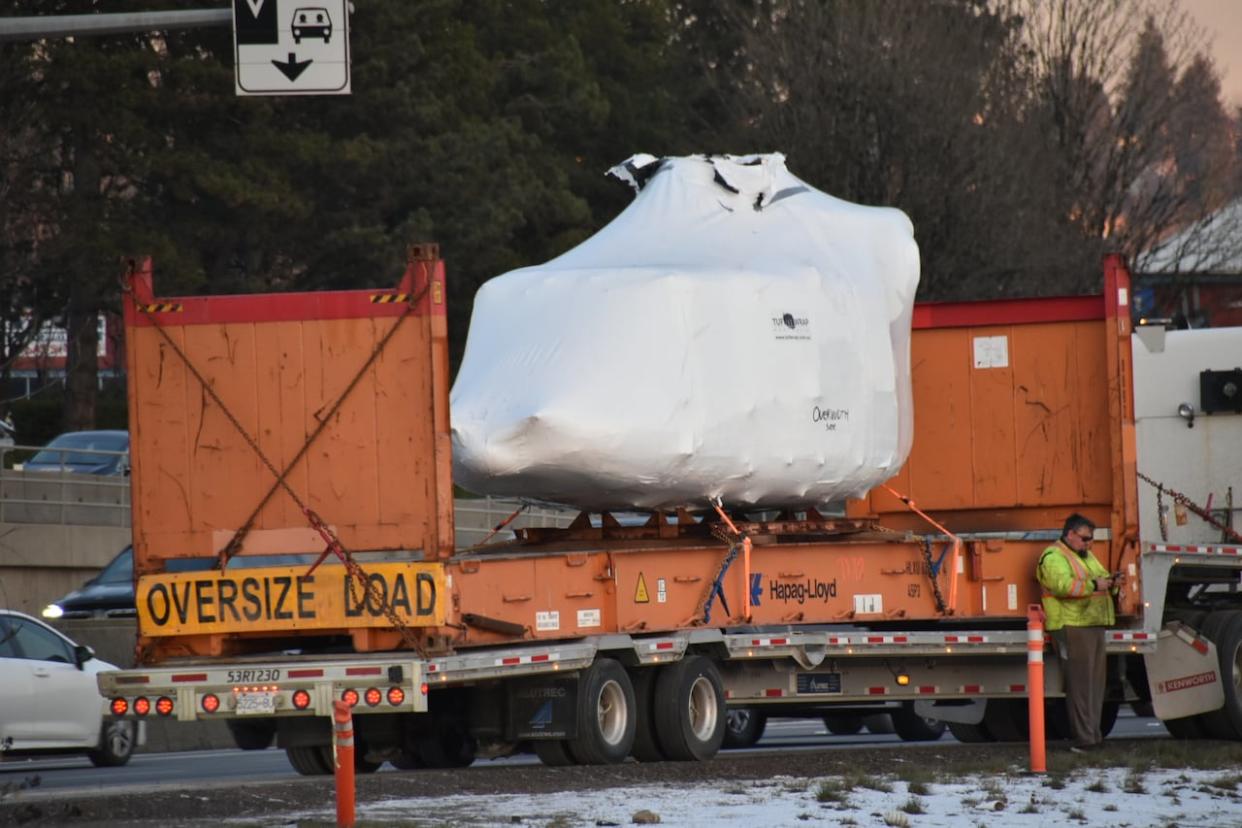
x=292 y=67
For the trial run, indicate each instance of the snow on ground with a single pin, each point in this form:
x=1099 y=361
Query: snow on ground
x=1115 y=797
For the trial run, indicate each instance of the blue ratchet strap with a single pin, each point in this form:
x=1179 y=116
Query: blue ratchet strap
x=935 y=568
x=718 y=586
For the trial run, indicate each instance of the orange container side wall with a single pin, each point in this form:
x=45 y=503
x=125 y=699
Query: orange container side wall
x=1011 y=446
x=372 y=474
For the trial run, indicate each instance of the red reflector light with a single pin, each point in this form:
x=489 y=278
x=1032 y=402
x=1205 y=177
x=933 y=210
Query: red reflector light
x=395 y=696
x=373 y=696
x=119 y=707
x=350 y=697
x=164 y=706
x=423 y=688
x=301 y=699
x=211 y=702
x=142 y=705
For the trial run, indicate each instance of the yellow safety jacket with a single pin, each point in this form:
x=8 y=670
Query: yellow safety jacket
x=1069 y=595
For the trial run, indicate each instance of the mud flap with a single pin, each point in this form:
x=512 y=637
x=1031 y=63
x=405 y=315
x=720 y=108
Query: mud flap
x=1184 y=673
x=542 y=709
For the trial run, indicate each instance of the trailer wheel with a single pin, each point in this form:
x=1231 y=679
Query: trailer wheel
x=878 y=723
x=1007 y=720
x=448 y=744
x=1225 y=631
x=690 y=709
x=744 y=727
x=912 y=727
x=843 y=724
x=971 y=733
x=606 y=715
x=407 y=760
x=308 y=760
x=252 y=735
x=553 y=752
x=646 y=745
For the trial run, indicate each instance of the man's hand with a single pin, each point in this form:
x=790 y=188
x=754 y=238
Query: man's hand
x=1104 y=584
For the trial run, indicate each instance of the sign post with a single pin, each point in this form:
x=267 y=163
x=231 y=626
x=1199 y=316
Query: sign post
x=291 y=47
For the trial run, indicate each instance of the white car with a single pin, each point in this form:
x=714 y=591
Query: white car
x=49 y=701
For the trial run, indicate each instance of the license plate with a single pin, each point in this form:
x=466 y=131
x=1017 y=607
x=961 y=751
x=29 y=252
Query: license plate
x=256 y=704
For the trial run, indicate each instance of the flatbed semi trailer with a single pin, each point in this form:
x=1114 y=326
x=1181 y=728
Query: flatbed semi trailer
x=319 y=423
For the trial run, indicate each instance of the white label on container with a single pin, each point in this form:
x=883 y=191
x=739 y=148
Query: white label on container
x=588 y=618
x=991 y=352
x=868 y=604
x=661 y=591
x=1123 y=298
x=1013 y=597
x=548 y=620
x=961 y=564
x=983 y=591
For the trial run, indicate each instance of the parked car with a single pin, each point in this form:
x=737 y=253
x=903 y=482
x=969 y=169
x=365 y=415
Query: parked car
x=49 y=702
x=83 y=452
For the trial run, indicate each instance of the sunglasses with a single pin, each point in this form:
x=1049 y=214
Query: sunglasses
x=1084 y=538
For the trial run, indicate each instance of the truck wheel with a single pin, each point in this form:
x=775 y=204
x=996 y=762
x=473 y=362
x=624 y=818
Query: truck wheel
x=878 y=723
x=912 y=727
x=1007 y=720
x=1225 y=631
x=553 y=752
x=743 y=727
x=116 y=744
x=447 y=745
x=690 y=709
x=1187 y=727
x=309 y=760
x=1108 y=717
x=606 y=715
x=407 y=760
x=252 y=735
x=646 y=745
x=970 y=733
x=842 y=724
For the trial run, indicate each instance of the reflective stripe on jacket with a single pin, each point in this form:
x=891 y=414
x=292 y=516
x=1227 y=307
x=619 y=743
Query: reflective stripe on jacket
x=1069 y=595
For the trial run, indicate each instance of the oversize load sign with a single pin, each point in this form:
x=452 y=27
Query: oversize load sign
x=286 y=598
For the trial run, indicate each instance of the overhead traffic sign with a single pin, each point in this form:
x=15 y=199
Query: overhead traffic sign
x=291 y=47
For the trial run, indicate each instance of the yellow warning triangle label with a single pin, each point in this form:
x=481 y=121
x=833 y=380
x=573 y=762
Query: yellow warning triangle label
x=640 y=592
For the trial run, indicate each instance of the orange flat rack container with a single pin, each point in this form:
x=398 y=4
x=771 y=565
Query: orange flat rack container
x=344 y=393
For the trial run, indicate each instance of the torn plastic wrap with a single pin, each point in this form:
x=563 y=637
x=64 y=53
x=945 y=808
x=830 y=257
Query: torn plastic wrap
x=733 y=332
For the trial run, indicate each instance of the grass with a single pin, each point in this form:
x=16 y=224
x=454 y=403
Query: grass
x=918 y=788
x=832 y=790
x=913 y=805
x=896 y=819
x=1098 y=786
x=868 y=781
x=1228 y=782
x=1134 y=783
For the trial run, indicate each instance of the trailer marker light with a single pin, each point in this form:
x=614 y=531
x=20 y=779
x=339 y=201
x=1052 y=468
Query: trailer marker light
x=211 y=702
x=902 y=680
x=350 y=697
x=164 y=706
x=423 y=688
x=396 y=696
x=119 y=707
x=301 y=699
x=373 y=696
x=142 y=706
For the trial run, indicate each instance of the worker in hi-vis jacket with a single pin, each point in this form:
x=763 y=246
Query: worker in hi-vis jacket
x=1078 y=595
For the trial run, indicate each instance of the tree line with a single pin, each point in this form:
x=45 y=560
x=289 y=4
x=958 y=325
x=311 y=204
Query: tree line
x=1023 y=137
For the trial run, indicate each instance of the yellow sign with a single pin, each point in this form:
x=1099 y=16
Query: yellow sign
x=286 y=598
x=640 y=592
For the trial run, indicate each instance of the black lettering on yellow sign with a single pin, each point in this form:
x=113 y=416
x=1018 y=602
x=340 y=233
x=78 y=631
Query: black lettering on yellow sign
x=640 y=591
x=287 y=598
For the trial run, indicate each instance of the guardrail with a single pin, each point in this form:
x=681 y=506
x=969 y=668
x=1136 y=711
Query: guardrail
x=62 y=496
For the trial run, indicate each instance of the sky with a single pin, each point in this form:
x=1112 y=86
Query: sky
x=1222 y=19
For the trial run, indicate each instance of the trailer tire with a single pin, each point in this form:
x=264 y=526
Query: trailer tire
x=744 y=727
x=407 y=760
x=1225 y=631
x=971 y=733
x=308 y=760
x=843 y=724
x=606 y=714
x=1007 y=720
x=690 y=709
x=1187 y=727
x=252 y=735
x=646 y=745
x=878 y=723
x=912 y=727
x=447 y=745
x=553 y=752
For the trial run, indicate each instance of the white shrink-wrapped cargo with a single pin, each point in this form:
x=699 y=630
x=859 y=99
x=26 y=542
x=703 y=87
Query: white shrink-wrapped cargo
x=733 y=333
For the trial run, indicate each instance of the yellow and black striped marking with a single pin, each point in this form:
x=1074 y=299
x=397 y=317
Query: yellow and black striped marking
x=161 y=307
x=389 y=298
